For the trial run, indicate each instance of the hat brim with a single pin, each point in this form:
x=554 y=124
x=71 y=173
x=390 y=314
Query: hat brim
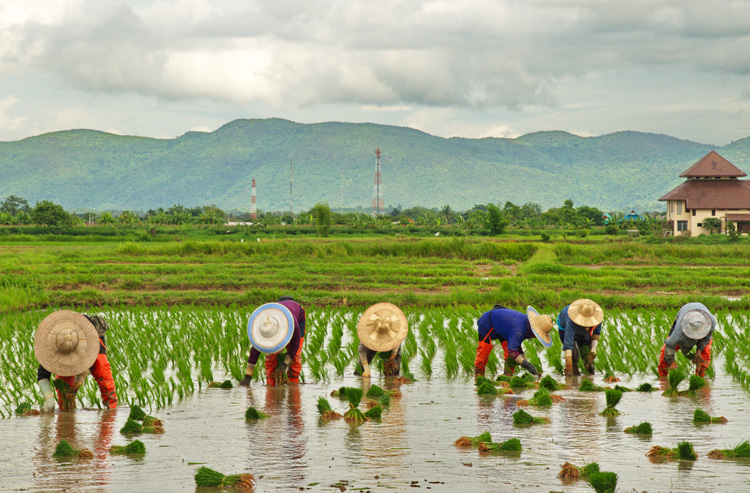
x=382 y=342
x=545 y=339
x=690 y=331
x=275 y=344
x=580 y=319
x=78 y=360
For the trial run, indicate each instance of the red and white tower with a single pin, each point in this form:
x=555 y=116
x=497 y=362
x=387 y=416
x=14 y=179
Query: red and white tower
x=377 y=193
x=253 y=205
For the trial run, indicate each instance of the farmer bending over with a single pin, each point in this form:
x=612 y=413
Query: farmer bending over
x=580 y=325
x=381 y=330
x=694 y=326
x=273 y=327
x=71 y=345
x=511 y=328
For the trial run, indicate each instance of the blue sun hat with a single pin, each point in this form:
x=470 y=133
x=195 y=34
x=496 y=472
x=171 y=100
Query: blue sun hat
x=541 y=326
x=270 y=327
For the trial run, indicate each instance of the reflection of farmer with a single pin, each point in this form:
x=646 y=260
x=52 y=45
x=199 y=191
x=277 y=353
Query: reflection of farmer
x=381 y=329
x=694 y=326
x=580 y=325
x=71 y=345
x=511 y=328
x=273 y=327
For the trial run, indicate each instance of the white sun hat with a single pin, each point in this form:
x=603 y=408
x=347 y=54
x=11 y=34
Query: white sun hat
x=382 y=327
x=695 y=324
x=541 y=326
x=66 y=343
x=270 y=327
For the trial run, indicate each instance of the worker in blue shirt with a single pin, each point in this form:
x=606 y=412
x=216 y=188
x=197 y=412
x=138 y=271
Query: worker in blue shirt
x=580 y=326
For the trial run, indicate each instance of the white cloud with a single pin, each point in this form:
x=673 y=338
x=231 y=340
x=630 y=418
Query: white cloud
x=7 y=121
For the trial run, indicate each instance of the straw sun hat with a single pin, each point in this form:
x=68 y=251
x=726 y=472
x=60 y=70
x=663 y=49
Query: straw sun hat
x=382 y=327
x=541 y=326
x=695 y=324
x=585 y=313
x=66 y=343
x=270 y=327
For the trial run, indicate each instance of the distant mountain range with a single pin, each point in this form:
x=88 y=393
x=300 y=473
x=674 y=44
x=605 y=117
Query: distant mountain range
x=86 y=170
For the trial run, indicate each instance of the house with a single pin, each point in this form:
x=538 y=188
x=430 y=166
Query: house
x=712 y=190
x=632 y=216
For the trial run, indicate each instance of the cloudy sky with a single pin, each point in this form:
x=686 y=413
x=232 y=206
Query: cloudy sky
x=468 y=68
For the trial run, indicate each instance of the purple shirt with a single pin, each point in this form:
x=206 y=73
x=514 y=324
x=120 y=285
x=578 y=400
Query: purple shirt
x=506 y=325
x=298 y=314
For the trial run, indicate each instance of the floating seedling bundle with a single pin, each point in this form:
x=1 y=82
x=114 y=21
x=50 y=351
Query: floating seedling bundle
x=226 y=384
x=701 y=416
x=603 y=482
x=741 y=450
x=551 y=384
x=353 y=414
x=208 y=477
x=65 y=449
x=253 y=413
x=613 y=398
x=133 y=448
x=138 y=414
x=622 y=389
x=465 y=442
x=695 y=383
x=541 y=398
x=326 y=411
x=684 y=451
x=641 y=429
x=487 y=387
x=569 y=472
x=521 y=417
x=526 y=381
x=340 y=392
x=645 y=387
x=25 y=409
x=588 y=386
x=375 y=391
x=133 y=427
x=609 y=377
x=674 y=378
x=510 y=445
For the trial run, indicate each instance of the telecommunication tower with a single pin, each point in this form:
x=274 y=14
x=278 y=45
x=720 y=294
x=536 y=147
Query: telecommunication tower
x=377 y=193
x=253 y=205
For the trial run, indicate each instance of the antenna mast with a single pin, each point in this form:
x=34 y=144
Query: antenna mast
x=377 y=193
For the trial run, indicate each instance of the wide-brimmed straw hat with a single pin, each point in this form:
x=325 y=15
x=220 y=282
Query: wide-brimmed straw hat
x=541 y=326
x=66 y=343
x=696 y=324
x=382 y=327
x=270 y=327
x=585 y=313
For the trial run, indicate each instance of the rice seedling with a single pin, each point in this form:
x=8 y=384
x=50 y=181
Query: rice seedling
x=374 y=413
x=609 y=377
x=645 y=387
x=465 y=442
x=226 y=384
x=138 y=414
x=326 y=411
x=741 y=450
x=613 y=398
x=622 y=389
x=684 y=451
x=674 y=378
x=524 y=382
x=695 y=383
x=486 y=388
x=521 y=417
x=133 y=427
x=510 y=445
x=551 y=384
x=540 y=398
x=340 y=392
x=701 y=416
x=353 y=414
x=253 y=413
x=641 y=429
x=135 y=447
x=23 y=408
x=603 y=482
x=375 y=391
x=569 y=472
x=503 y=378
x=208 y=477
x=65 y=449
x=68 y=401
x=588 y=386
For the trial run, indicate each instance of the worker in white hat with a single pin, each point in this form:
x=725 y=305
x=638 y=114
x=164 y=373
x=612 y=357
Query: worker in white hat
x=381 y=330
x=693 y=327
x=71 y=345
x=511 y=328
x=272 y=328
x=580 y=326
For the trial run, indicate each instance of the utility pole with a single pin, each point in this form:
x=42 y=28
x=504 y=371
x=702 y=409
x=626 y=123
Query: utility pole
x=377 y=193
x=253 y=205
x=290 y=188
x=342 y=191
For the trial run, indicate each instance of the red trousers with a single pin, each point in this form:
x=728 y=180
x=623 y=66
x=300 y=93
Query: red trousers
x=102 y=373
x=700 y=371
x=484 y=349
x=295 y=367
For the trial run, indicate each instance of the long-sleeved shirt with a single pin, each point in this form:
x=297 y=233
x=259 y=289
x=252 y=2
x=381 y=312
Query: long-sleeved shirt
x=506 y=325
x=298 y=332
x=570 y=329
x=676 y=336
x=42 y=372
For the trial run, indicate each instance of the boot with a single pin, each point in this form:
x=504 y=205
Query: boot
x=576 y=357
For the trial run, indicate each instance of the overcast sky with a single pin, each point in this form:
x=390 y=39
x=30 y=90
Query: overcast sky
x=450 y=68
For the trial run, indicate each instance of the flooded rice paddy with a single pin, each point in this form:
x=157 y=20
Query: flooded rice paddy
x=410 y=447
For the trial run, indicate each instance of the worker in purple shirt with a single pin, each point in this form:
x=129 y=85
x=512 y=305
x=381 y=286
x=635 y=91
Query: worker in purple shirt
x=282 y=368
x=511 y=328
x=580 y=325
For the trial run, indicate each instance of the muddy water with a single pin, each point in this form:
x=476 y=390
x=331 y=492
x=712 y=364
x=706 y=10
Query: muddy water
x=410 y=446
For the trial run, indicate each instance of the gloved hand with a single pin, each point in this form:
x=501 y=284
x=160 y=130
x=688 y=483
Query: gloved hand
x=699 y=361
x=390 y=368
x=590 y=362
x=48 y=394
x=280 y=373
x=245 y=382
x=366 y=373
x=77 y=382
x=569 y=365
x=530 y=368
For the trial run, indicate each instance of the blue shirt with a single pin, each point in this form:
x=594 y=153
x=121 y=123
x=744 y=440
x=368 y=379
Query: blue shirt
x=570 y=329
x=676 y=336
x=506 y=325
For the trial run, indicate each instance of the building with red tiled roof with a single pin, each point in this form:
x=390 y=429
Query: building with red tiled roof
x=712 y=190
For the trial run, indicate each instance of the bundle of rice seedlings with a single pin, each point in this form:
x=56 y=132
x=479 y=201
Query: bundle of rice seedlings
x=675 y=377
x=226 y=384
x=136 y=413
x=701 y=416
x=521 y=417
x=68 y=399
x=641 y=429
x=375 y=391
x=613 y=398
x=645 y=387
x=253 y=413
x=326 y=411
x=504 y=378
x=505 y=391
x=684 y=451
x=340 y=392
x=150 y=421
x=510 y=445
x=541 y=398
x=551 y=384
x=486 y=388
x=603 y=482
x=741 y=450
x=65 y=449
x=589 y=469
x=385 y=400
x=375 y=412
x=136 y=447
x=23 y=408
x=609 y=377
x=695 y=383
x=133 y=427
x=354 y=396
x=473 y=441
x=588 y=386
x=622 y=389
x=569 y=472
x=208 y=477
x=517 y=382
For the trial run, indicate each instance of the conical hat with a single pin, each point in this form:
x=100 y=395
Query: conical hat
x=541 y=326
x=696 y=324
x=270 y=327
x=382 y=327
x=66 y=343
x=585 y=313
